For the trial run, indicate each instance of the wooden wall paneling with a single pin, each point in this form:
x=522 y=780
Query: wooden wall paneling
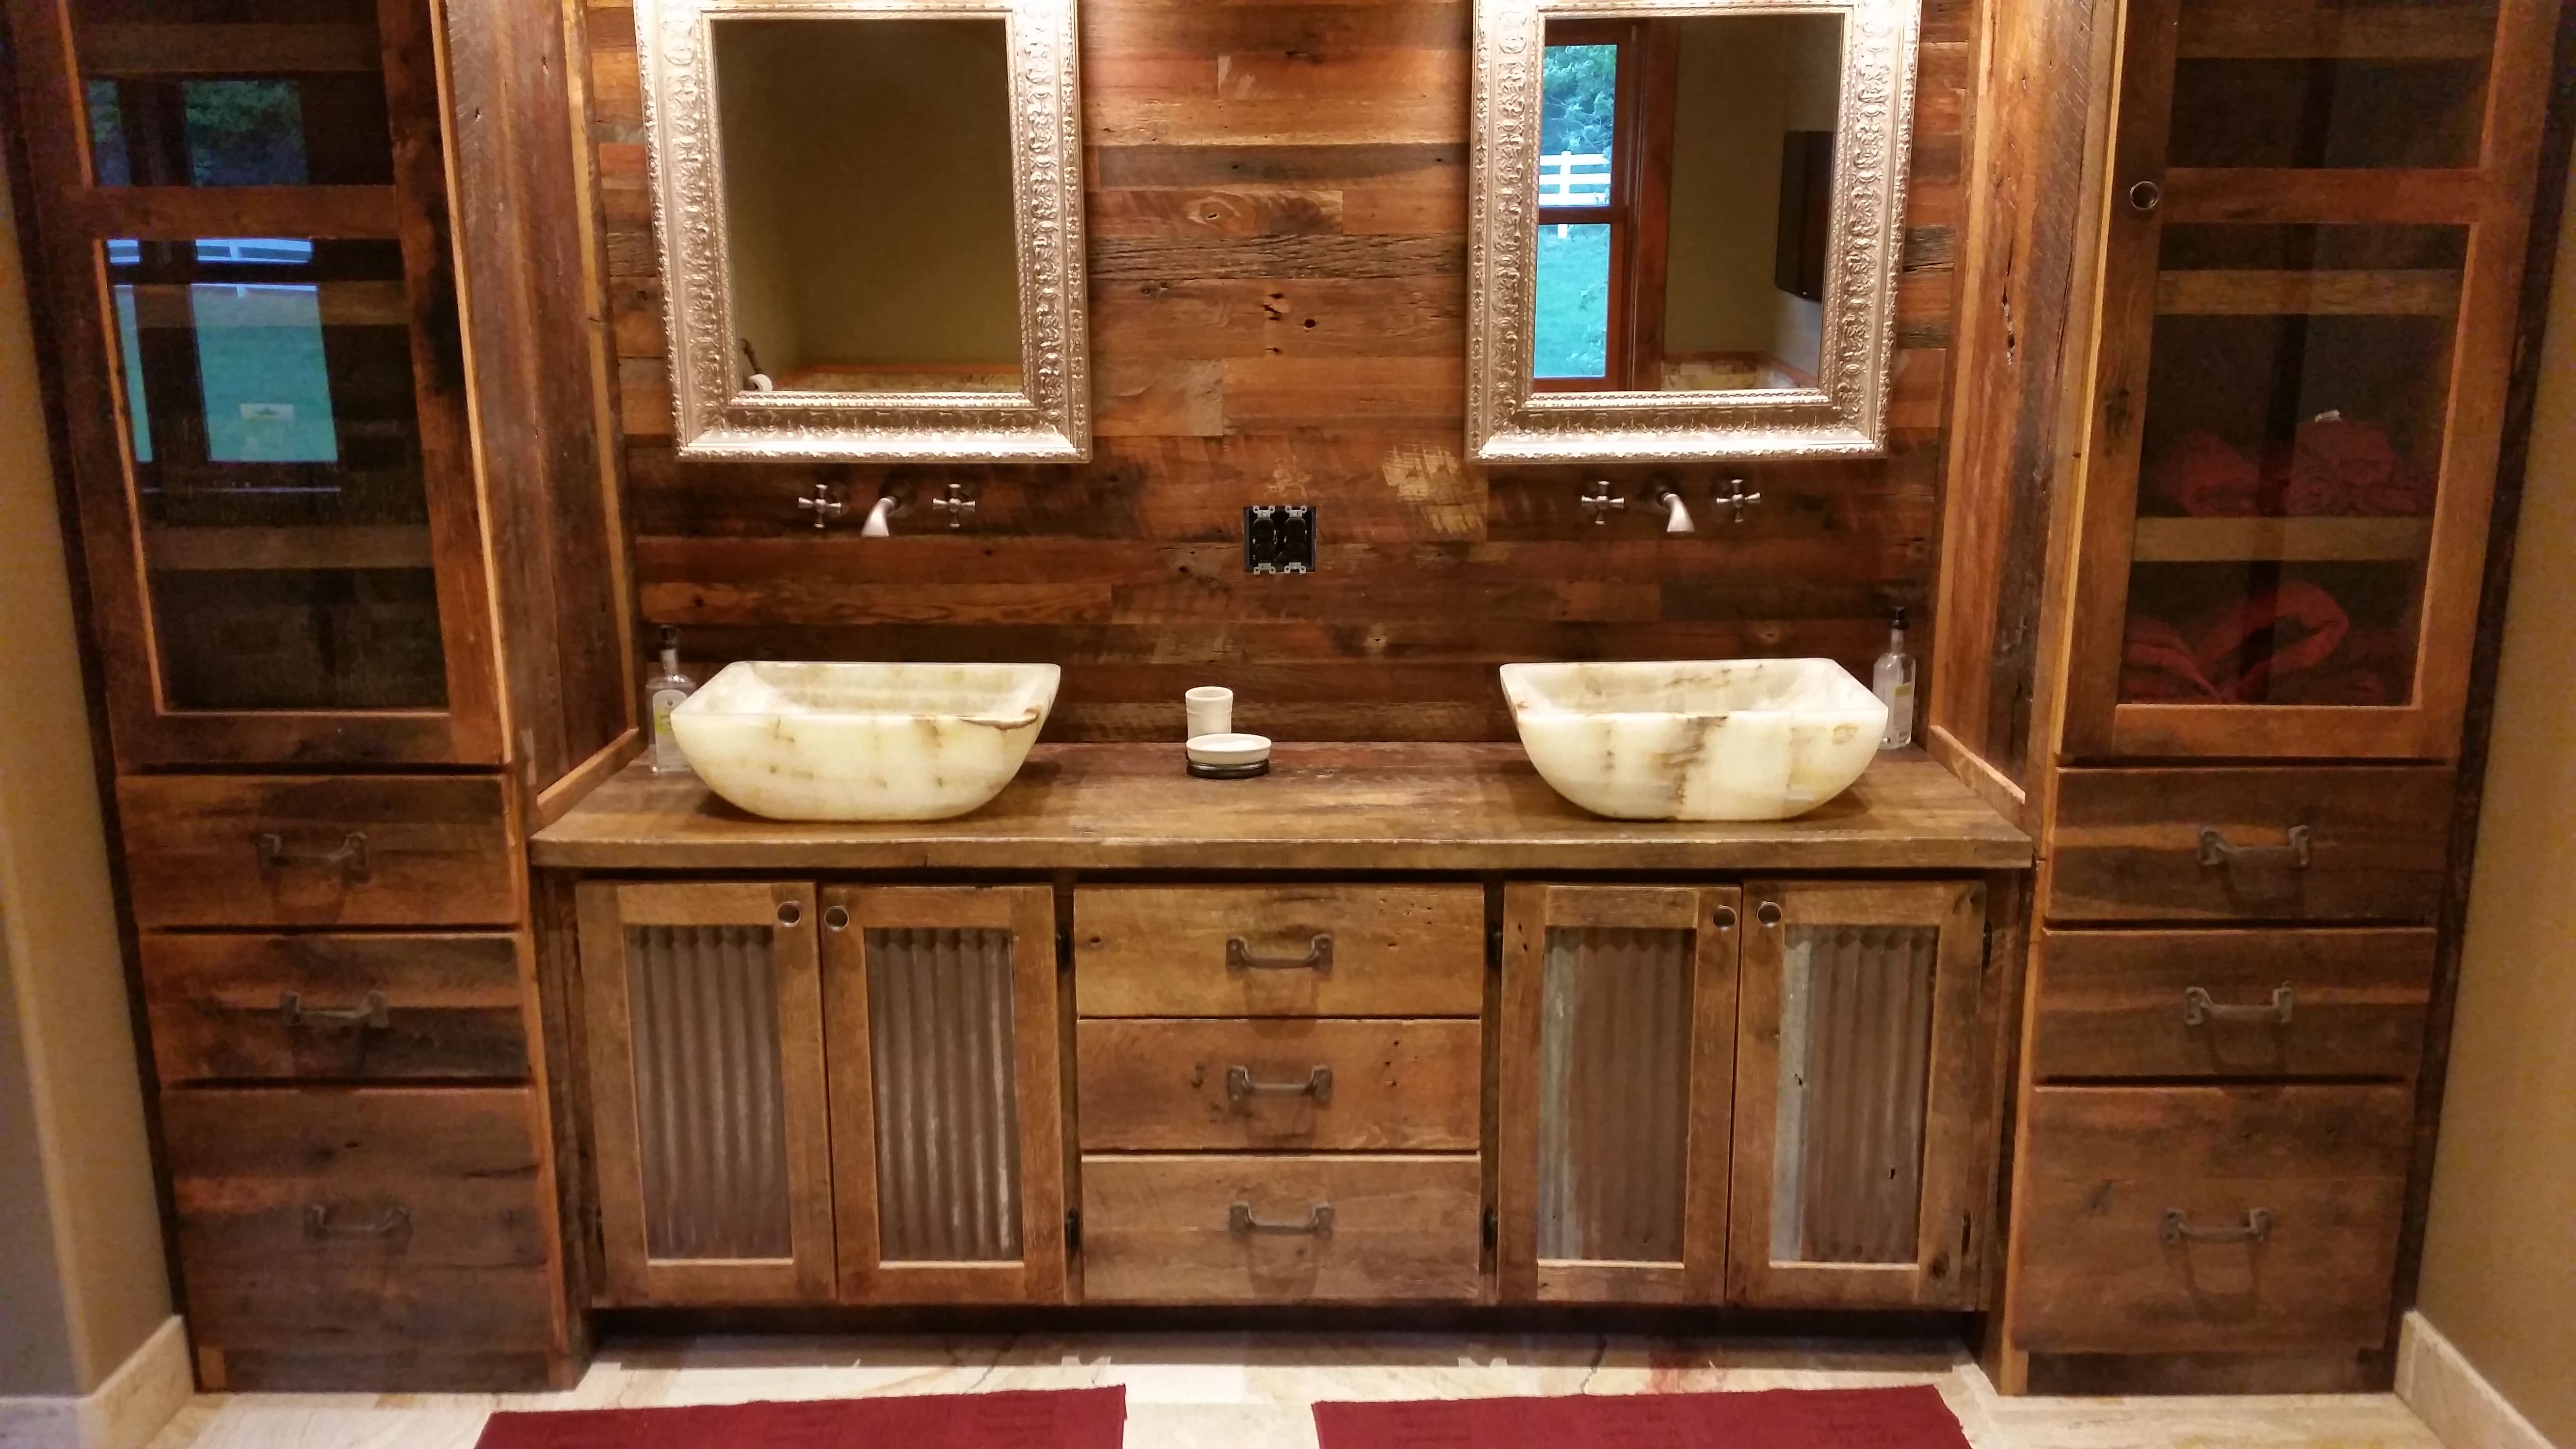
x=1278 y=217
x=527 y=239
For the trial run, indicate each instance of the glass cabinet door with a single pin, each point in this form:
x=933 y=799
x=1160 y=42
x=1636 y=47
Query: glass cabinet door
x=1858 y=1179
x=947 y=1127
x=2313 y=249
x=245 y=206
x=704 y=1018
x=1618 y=1026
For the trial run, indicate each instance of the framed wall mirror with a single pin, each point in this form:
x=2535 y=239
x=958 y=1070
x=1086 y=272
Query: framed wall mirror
x=1685 y=230
x=870 y=216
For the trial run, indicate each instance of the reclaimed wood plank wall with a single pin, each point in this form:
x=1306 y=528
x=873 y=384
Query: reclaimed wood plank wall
x=1277 y=205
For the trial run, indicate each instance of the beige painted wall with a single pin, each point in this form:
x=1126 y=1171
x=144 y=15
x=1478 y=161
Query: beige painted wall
x=2500 y=1258
x=1741 y=82
x=82 y=1281
x=868 y=175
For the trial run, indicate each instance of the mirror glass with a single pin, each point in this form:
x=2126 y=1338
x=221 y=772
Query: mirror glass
x=868 y=209
x=1685 y=186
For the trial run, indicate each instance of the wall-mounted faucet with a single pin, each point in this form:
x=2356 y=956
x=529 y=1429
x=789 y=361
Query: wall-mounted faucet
x=892 y=504
x=1677 y=517
x=1735 y=497
x=958 y=503
x=1600 y=501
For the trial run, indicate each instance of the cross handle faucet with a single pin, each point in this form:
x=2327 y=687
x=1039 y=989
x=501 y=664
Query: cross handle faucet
x=1735 y=498
x=1599 y=502
x=958 y=503
x=825 y=505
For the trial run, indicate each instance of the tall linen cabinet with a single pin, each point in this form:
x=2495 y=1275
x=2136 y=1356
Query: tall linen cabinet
x=2237 y=384
x=322 y=304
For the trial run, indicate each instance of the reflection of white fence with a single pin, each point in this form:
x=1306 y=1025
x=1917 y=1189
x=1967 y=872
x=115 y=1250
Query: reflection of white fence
x=1570 y=178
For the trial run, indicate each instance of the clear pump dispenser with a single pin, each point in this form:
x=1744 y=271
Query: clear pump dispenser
x=662 y=694
x=1893 y=682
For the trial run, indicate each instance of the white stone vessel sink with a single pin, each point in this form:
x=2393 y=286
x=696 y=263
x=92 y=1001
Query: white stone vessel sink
x=864 y=741
x=1724 y=739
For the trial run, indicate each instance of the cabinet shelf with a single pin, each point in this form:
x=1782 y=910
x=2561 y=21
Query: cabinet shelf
x=2234 y=30
x=222 y=550
x=2382 y=293
x=2283 y=540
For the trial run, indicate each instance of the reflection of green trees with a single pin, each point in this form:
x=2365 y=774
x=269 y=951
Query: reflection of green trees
x=1581 y=99
x=245 y=133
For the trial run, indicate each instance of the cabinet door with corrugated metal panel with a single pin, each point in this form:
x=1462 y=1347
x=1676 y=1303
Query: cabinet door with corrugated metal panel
x=947 y=1128
x=1860 y=1167
x=1616 y=1062
x=705 y=1029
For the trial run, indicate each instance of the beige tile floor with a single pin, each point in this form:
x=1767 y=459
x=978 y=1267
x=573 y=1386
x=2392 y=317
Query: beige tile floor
x=1243 y=1391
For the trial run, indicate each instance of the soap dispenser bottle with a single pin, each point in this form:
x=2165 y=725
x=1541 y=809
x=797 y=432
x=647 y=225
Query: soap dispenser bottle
x=662 y=694
x=1893 y=683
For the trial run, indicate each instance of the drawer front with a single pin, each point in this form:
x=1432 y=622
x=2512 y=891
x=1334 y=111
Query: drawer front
x=1283 y=1229
x=1282 y=1082
x=2102 y=1272
x=336 y=1008
x=319 y=851
x=2208 y=1003
x=2131 y=845
x=1322 y=950
x=363 y=1239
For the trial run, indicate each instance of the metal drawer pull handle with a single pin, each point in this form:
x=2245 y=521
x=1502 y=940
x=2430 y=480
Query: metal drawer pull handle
x=2198 y=1009
x=349 y=860
x=1318 y=1223
x=1240 y=1085
x=2178 y=1229
x=371 y=1013
x=318 y=1224
x=1318 y=957
x=2298 y=854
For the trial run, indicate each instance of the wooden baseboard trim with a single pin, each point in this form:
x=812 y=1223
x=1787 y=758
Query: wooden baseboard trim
x=2453 y=1399
x=2357 y=1371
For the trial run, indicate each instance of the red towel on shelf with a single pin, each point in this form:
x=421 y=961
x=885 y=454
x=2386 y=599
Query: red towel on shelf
x=2206 y=478
x=2338 y=466
x=2374 y=667
x=2158 y=665
x=2293 y=627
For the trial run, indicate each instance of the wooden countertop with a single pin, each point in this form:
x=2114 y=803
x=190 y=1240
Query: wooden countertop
x=1356 y=807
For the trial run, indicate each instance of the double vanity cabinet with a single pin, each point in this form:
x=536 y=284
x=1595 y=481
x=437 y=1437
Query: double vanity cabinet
x=1394 y=1025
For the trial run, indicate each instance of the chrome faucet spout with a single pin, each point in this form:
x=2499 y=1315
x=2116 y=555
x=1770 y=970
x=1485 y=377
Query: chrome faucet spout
x=1677 y=517
x=876 y=526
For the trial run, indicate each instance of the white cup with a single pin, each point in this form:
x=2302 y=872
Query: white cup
x=1211 y=711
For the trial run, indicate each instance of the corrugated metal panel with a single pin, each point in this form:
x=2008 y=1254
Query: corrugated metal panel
x=940 y=1034
x=708 y=1092
x=1855 y=1064
x=1614 y=1103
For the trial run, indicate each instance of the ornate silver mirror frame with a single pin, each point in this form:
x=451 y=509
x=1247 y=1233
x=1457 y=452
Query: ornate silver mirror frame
x=1047 y=420
x=1511 y=421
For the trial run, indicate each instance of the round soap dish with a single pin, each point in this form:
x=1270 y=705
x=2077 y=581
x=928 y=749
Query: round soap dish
x=1229 y=757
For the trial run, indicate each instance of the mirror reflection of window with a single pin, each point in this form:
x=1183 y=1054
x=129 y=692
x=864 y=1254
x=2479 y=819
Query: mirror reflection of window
x=868 y=204
x=1685 y=185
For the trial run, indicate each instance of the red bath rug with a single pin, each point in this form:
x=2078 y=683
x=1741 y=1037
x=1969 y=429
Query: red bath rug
x=1053 y=1419
x=1776 y=1419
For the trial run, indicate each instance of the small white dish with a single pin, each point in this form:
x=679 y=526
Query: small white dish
x=1229 y=749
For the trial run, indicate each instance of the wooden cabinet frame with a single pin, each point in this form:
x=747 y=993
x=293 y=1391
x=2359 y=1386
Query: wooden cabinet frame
x=78 y=218
x=634 y=1277
x=2493 y=201
x=1530 y=911
x=1954 y=1177
x=1028 y=913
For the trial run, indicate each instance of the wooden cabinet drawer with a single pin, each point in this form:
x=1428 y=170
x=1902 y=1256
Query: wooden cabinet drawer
x=2106 y=1268
x=1304 y=950
x=1282 y=1229
x=2231 y=1003
x=363 y=1239
x=335 y=1007
x=1281 y=1082
x=2216 y=845
x=340 y=850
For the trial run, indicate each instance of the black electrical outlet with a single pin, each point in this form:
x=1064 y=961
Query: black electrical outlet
x=1279 y=538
